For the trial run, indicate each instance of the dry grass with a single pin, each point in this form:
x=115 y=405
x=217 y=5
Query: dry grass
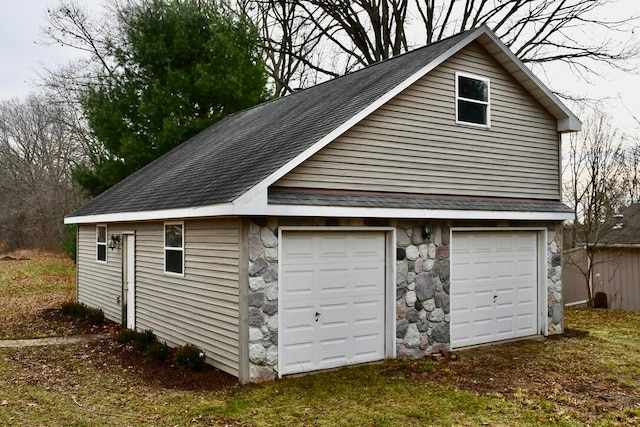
x=30 y=284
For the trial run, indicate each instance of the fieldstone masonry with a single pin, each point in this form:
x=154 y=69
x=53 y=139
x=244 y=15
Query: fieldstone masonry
x=422 y=287
x=555 y=304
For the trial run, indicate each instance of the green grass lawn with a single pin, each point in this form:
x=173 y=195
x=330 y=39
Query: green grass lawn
x=590 y=376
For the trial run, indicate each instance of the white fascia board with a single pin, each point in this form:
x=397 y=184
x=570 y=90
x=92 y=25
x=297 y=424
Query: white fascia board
x=258 y=209
x=365 y=212
x=570 y=123
x=195 y=212
x=262 y=186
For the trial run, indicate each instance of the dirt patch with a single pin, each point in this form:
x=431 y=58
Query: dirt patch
x=571 y=333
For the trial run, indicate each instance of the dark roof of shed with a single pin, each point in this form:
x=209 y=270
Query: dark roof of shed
x=225 y=160
x=624 y=230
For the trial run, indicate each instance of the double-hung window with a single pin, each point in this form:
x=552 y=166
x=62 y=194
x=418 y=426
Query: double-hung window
x=472 y=100
x=101 y=243
x=174 y=248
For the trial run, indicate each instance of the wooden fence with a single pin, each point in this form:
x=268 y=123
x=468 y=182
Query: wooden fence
x=616 y=271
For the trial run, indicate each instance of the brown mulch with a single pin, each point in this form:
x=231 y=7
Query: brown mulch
x=113 y=357
x=61 y=324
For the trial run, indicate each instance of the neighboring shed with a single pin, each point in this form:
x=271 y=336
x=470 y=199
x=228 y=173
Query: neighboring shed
x=616 y=264
x=410 y=206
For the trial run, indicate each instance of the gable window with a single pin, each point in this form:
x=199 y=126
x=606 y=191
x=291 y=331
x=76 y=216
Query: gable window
x=101 y=243
x=472 y=100
x=174 y=248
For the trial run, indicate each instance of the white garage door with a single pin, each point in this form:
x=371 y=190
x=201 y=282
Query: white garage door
x=494 y=284
x=331 y=299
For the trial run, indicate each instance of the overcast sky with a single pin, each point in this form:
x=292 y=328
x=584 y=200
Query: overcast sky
x=21 y=57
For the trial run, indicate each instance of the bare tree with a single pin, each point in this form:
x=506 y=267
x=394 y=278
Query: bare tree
x=362 y=32
x=290 y=41
x=630 y=175
x=593 y=187
x=37 y=154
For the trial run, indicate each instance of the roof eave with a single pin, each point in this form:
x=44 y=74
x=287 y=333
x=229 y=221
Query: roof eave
x=264 y=209
x=567 y=121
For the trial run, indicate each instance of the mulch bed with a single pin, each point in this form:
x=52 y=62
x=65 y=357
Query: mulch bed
x=124 y=358
x=66 y=325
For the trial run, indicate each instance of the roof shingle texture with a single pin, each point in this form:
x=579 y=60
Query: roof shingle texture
x=624 y=230
x=415 y=202
x=231 y=156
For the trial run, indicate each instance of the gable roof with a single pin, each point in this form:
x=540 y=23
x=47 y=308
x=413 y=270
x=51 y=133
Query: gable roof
x=624 y=230
x=249 y=150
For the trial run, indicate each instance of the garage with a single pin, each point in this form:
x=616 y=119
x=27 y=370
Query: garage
x=332 y=299
x=494 y=286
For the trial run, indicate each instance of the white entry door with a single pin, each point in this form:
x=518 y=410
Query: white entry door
x=129 y=280
x=494 y=286
x=332 y=299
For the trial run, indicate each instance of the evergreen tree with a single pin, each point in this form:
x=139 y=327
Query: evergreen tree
x=178 y=66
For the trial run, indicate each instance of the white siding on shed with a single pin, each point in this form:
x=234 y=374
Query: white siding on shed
x=201 y=308
x=99 y=283
x=412 y=144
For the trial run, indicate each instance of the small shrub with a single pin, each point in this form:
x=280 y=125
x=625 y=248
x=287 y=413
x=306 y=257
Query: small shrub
x=126 y=336
x=144 y=340
x=189 y=356
x=94 y=315
x=71 y=308
x=83 y=311
x=158 y=351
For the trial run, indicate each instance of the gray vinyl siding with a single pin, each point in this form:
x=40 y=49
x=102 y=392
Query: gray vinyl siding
x=201 y=308
x=413 y=145
x=99 y=283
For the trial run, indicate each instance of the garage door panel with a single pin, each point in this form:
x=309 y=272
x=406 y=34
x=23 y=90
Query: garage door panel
x=334 y=349
x=298 y=318
x=332 y=315
x=299 y=280
x=493 y=286
x=298 y=357
x=366 y=278
x=332 y=279
x=346 y=288
x=298 y=250
x=367 y=312
x=366 y=346
x=483 y=328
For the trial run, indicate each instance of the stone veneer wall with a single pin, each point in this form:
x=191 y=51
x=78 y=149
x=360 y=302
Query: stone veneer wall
x=422 y=286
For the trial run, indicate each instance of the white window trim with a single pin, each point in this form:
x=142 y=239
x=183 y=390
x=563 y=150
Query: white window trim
x=106 y=239
x=165 y=248
x=475 y=101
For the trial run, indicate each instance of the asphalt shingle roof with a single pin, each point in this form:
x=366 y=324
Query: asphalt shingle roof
x=236 y=153
x=624 y=230
x=413 y=202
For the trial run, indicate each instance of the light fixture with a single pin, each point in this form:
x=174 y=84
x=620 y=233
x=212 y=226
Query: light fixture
x=114 y=241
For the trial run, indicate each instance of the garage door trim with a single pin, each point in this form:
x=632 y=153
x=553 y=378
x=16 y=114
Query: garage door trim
x=390 y=274
x=542 y=241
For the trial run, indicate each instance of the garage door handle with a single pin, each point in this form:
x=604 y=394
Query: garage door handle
x=317 y=315
x=495 y=297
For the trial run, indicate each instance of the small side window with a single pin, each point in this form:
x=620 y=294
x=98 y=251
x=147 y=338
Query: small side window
x=473 y=100
x=101 y=243
x=174 y=248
